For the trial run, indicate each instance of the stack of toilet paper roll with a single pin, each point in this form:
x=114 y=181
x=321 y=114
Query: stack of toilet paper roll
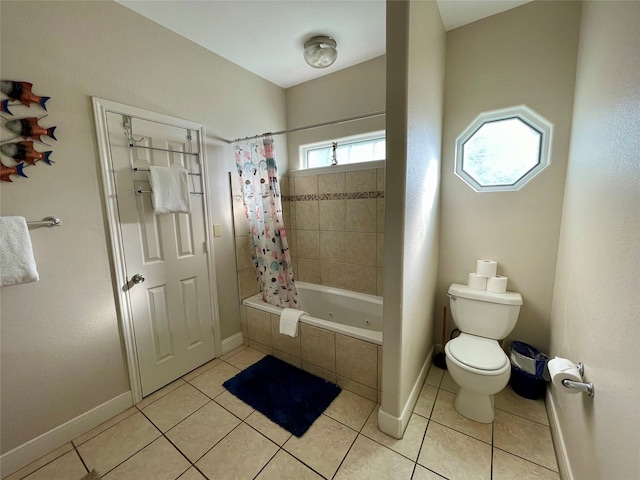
x=485 y=277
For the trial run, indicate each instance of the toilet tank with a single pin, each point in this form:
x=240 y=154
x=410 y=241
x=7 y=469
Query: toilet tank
x=483 y=313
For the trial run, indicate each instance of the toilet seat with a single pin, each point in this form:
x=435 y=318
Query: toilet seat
x=477 y=354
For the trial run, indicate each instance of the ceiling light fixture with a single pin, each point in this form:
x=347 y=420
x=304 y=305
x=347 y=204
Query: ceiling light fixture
x=320 y=52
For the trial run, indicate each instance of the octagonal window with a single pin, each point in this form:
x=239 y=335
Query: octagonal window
x=502 y=150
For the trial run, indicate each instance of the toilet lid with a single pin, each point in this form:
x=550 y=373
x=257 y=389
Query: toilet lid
x=477 y=352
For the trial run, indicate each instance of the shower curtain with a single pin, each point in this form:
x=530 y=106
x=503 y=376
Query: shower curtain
x=258 y=172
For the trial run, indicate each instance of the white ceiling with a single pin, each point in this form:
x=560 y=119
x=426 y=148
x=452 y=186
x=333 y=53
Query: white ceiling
x=266 y=37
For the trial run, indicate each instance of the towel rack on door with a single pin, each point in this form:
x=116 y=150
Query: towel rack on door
x=127 y=123
x=46 y=222
x=136 y=169
x=163 y=150
x=128 y=130
x=140 y=192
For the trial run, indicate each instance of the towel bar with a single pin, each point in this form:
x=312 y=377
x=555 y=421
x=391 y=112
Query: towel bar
x=195 y=154
x=46 y=222
x=136 y=169
x=140 y=192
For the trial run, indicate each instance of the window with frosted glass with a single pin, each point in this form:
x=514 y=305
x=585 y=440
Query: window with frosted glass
x=503 y=150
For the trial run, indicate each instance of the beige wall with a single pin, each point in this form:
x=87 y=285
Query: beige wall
x=595 y=316
x=523 y=56
x=415 y=84
x=61 y=348
x=354 y=91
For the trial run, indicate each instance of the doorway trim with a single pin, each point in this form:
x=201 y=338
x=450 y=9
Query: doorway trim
x=100 y=109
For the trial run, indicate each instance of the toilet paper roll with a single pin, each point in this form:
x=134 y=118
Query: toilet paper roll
x=497 y=284
x=562 y=369
x=477 y=282
x=487 y=268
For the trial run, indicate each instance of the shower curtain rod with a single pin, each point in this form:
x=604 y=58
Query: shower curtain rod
x=317 y=125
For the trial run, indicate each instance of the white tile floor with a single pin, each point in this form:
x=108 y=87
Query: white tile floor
x=193 y=429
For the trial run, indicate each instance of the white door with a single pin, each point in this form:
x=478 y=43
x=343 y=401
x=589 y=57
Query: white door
x=171 y=308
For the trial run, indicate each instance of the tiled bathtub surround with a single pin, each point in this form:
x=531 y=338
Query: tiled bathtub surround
x=351 y=363
x=335 y=229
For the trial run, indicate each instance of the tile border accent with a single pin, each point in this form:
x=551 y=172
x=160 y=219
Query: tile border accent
x=21 y=456
x=333 y=196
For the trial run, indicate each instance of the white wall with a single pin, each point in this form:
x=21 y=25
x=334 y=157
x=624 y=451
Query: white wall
x=61 y=348
x=595 y=317
x=351 y=92
x=415 y=84
x=523 y=56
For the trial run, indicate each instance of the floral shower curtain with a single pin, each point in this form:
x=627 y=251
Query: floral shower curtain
x=258 y=172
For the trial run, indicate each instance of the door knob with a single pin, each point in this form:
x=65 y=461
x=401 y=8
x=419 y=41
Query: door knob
x=137 y=278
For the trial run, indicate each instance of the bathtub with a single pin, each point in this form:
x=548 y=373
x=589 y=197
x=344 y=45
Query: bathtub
x=339 y=339
x=357 y=315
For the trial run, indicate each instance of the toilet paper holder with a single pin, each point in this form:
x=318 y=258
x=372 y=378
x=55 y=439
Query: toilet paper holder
x=587 y=388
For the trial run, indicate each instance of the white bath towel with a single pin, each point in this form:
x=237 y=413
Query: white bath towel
x=170 y=189
x=289 y=319
x=17 y=264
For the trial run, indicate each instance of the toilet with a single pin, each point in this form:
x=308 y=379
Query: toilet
x=475 y=360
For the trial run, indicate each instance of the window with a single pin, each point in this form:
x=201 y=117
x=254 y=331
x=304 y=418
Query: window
x=356 y=149
x=502 y=150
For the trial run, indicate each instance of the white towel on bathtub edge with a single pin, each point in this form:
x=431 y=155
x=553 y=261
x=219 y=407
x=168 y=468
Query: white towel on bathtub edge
x=169 y=189
x=17 y=264
x=289 y=319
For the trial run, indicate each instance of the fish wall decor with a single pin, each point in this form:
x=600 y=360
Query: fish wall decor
x=4 y=107
x=21 y=91
x=24 y=151
x=28 y=127
x=6 y=171
x=21 y=150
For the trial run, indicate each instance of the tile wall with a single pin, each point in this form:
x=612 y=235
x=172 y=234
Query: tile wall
x=248 y=284
x=335 y=226
x=335 y=229
x=353 y=364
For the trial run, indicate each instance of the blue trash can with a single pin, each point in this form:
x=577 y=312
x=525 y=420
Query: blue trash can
x=529 y=374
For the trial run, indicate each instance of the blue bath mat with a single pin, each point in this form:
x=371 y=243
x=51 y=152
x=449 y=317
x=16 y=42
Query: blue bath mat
x=290 y=397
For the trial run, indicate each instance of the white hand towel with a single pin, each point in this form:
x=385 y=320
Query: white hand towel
x=17 y=264
x=289 y=319
x=170 y=189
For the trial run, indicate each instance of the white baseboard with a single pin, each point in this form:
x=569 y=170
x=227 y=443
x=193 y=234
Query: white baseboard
x=564 y=466
x=229 y=343
x=395 y=426
x=32 y=450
